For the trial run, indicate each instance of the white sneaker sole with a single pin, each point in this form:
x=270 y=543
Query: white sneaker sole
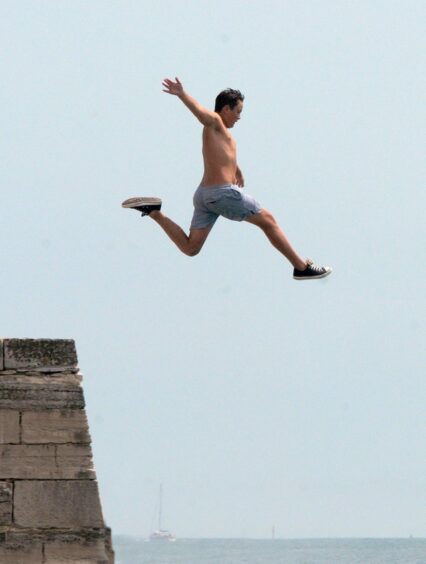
x=137 y=202
x=314 y=277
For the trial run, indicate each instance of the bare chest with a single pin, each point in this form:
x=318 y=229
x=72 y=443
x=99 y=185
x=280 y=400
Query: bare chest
x=219 y=141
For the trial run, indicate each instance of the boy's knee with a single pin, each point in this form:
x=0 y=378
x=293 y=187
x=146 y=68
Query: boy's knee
x=269 y=219
x=192 y=251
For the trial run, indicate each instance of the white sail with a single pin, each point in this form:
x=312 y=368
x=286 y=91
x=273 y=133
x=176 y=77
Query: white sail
x=161 y=534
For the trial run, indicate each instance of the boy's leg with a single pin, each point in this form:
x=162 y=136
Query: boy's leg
x=266 y=221
x=189 y=245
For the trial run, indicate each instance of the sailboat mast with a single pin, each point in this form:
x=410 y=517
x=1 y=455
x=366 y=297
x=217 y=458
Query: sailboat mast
x=160 y=511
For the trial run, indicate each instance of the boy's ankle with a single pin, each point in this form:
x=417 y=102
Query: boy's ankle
x=301 y=266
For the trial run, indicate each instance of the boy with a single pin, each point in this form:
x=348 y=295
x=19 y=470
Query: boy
x=220 y=192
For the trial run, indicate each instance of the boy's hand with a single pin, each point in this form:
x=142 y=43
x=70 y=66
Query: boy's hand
x=239 y=178
x=170 y=87
x=204 y=116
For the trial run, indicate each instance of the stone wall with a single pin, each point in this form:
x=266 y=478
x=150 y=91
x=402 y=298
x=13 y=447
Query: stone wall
x=50 y=511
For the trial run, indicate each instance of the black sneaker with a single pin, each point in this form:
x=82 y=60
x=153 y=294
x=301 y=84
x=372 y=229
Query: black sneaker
x=311 y=271
x=143 y=205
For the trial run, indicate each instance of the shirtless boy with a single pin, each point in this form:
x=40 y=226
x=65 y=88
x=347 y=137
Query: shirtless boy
x=221 y=189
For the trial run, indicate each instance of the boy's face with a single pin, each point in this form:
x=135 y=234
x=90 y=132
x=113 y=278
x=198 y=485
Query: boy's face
x=231 y=116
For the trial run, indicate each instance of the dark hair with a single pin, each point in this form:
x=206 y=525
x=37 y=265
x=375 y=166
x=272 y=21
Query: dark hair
x=229 y=98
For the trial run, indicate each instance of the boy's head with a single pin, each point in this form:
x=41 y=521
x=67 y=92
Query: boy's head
x=228 y=97
x=229 y=105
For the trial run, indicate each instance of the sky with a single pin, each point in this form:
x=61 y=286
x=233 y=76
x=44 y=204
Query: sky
x=256 y=400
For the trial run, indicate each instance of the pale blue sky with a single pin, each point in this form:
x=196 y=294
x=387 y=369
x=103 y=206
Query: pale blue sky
x=255 y=399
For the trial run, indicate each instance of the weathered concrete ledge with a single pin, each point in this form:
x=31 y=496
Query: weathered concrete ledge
x=50 y=510
x=44 y=355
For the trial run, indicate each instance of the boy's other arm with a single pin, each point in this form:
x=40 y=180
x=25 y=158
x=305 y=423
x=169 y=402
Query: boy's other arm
x=239 y=178
x=206 y=117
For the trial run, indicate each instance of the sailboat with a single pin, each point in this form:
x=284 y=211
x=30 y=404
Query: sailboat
x=161 y=534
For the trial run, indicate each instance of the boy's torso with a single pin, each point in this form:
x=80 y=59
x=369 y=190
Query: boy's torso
x=220 y=156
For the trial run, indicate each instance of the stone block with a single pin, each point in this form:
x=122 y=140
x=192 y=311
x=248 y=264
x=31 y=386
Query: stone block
x=42 y=462
x=1 y=355
x=6 y=494
x=21 y=553
x=82 y=546
x=51 y=379
x=46 y=355
x=57 y=503
x=66 y=551
x=54 y=426
x=9 y=426
x=32 y=397
x=75 y=462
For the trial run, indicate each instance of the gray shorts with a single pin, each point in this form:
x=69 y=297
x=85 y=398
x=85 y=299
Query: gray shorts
x=227 y=200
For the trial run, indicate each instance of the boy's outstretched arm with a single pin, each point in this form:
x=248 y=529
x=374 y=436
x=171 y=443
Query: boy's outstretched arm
x=206 y=117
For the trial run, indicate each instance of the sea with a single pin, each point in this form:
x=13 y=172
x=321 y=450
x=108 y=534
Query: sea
x=130 y=550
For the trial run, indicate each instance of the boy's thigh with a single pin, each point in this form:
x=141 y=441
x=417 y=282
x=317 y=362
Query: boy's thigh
x=203 y=218
x=234 y=204
x=262 y=219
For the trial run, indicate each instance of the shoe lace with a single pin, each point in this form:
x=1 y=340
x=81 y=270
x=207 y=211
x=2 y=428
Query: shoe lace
x=313 y=267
